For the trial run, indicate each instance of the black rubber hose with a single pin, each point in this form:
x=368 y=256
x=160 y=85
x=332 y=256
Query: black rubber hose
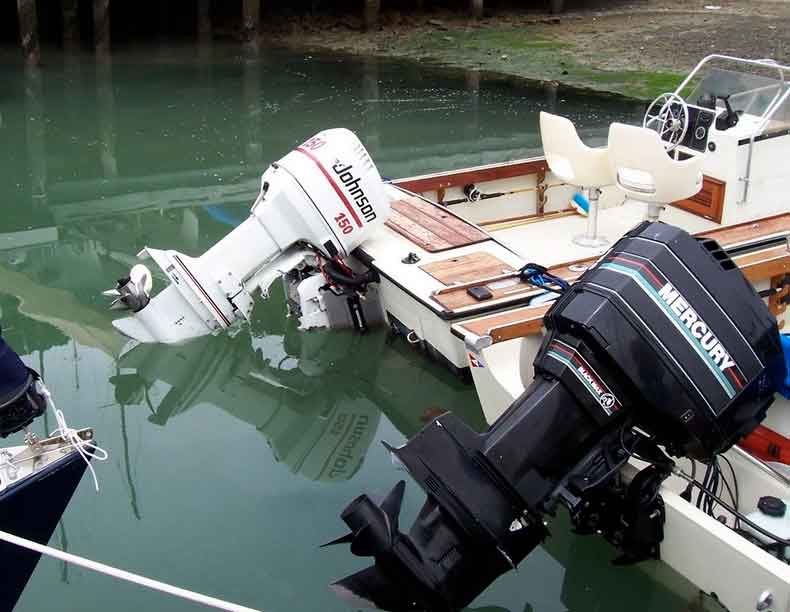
x=340 y=277
x=733 y=511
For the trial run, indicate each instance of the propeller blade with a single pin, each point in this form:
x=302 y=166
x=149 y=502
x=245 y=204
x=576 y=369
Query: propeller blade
x=371 y=539
x=370 y=525
x=392 y=504
x=111 y=293
x=345 y=539
x=118 y=304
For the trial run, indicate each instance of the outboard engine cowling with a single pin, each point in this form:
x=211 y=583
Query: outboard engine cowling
x=661 y=346
x=20 y=402
x=326 y=196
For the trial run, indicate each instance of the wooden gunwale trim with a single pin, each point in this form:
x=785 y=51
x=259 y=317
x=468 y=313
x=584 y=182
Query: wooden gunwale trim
x=732 y=235
x=765 y=264
x=759 y=265
x=525 y=321
x=480 y=174
x=509 y=222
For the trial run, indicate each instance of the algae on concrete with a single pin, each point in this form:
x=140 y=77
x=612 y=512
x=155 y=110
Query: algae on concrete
x=526 y=52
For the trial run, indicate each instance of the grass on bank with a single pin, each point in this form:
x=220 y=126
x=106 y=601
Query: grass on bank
x=527 y=52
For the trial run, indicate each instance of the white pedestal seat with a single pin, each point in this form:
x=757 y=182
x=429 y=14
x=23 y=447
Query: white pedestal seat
x=577 y=164
x=645 y=172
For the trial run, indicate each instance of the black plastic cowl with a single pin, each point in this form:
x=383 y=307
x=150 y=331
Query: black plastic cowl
x=20 y=402
x=663 y=343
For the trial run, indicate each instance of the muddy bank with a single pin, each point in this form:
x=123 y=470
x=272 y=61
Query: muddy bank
x=635 y=50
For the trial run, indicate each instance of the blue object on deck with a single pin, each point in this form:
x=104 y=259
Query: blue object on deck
x=580 y=203
x=784 y=386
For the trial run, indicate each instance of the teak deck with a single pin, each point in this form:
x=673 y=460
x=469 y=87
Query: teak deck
x=466 y=268
x=768 y=263
x=455 y=298
x=431 y=227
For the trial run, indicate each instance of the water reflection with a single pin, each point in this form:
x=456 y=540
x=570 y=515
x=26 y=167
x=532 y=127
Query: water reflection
x=223 y=113
x=311 y=396
x=219 y=443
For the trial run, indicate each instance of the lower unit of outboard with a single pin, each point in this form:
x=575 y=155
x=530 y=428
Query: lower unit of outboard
x=662 y=348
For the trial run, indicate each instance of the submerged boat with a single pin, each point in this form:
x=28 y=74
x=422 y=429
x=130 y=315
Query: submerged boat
x=466 y=265
x=37 y=478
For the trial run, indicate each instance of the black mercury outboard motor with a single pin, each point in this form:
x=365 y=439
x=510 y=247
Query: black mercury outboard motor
x=663 y=342
x=20 y=402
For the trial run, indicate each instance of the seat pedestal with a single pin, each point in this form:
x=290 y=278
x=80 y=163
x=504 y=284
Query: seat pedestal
x=590 y=238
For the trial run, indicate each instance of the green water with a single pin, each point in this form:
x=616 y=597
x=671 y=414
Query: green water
x=230 y=458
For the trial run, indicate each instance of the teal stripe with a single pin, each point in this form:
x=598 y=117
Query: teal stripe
x=653 y=294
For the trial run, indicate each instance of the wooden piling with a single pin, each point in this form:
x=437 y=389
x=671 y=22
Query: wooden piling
x=251 y=96
x=101 y=26
x=472 y=124
x=35 y=127
x=371 y=116
x=372 y=9
x=105 y=115
x=476 y=8
x=251 y=19
x=204 y=20
x=71 y=23
x=550 y=89
x=28 y=31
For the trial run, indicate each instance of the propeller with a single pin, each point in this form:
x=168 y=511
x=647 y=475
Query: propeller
x=374 y=533
x=133 y=292
x=373 y=527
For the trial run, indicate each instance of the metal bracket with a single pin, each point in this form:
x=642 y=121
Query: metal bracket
x=779 y=300
x=36 y=448
x=540 y=188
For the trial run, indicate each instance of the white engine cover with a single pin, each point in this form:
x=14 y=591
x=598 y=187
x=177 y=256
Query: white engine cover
x=326 y=194
x=341 y=182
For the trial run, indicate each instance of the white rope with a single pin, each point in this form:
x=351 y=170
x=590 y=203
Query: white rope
x=7 y=460
x=120 y=574
x=70 y=435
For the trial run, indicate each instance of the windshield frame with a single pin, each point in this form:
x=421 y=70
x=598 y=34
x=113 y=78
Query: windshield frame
x=779 y=99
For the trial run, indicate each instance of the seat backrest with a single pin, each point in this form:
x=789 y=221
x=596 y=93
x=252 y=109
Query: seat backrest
x=569 y=158
x=644 y=171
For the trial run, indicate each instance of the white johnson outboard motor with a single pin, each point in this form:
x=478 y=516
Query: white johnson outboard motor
x=320 y=201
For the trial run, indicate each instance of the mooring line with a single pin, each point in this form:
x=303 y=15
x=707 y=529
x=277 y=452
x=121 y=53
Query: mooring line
x=120 y=574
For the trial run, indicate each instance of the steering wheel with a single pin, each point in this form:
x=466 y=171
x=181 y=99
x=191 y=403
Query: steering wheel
x=668 y=115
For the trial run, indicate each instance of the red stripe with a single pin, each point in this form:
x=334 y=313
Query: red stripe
x=562 y=349
x=574 y=356
x=735 y=376
x=339 y=193
x=641 y=265
x=203 y=291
